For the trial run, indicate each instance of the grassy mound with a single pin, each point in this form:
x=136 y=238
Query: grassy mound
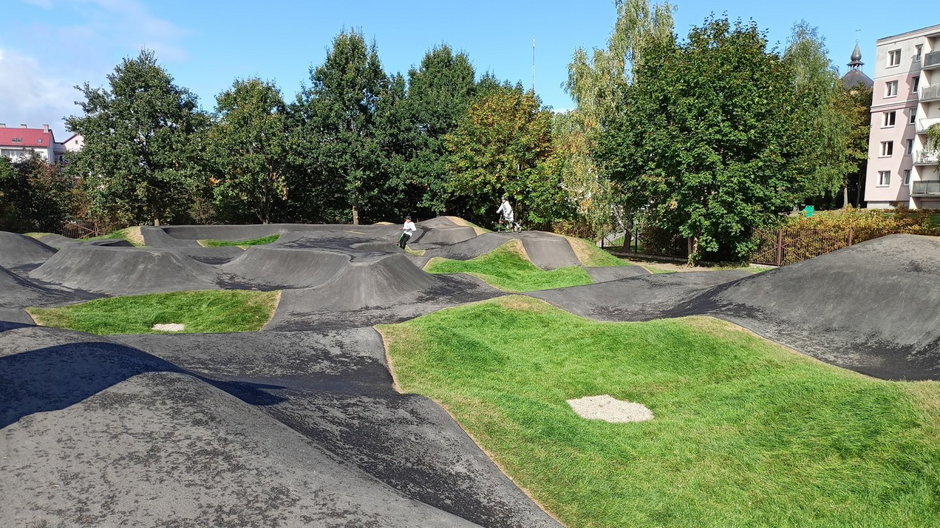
x=508 y=269
x=592 y=256
x=209 y=311
x=240 y=243
x=746 y=433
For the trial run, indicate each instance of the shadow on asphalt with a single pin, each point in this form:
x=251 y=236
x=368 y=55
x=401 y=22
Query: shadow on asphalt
x=56 y=377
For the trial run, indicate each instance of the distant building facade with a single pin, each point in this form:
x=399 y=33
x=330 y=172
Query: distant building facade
x=19 y=143
x=905 y=102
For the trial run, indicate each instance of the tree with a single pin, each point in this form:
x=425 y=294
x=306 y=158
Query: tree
x=499 y=148
x=596 y=82
x=824 y=155
x=337 y=146
x=855 y=102
x=706 y=148
x=439 y=92
x=247 y=148
x=140 y=158
x=34 y=195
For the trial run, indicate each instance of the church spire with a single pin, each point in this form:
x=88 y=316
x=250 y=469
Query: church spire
x=856 y=58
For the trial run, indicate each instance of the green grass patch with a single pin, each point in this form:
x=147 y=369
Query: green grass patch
x=506 y=269
x=130 y=234
x=36 y=235
x=209 y=311
x=746 y=432
x=592 y=256
x=240 y=243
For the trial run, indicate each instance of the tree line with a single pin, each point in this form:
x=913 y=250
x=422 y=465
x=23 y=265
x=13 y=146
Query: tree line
x=701 y=139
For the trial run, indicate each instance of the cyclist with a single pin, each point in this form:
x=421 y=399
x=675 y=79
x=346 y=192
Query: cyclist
x=505 y=210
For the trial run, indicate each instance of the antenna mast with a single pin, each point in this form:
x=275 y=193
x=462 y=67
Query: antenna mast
x=533 y=65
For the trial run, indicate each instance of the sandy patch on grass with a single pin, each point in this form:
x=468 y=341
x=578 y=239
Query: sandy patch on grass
x=132 y=234
x=609 y=409
x=464 y=223
x=168 y=327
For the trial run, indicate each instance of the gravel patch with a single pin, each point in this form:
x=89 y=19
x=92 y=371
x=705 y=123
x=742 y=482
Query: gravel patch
x=169 y=327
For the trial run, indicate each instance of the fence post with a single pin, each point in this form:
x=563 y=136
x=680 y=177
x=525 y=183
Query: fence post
x=780 y=247
x=851 y=235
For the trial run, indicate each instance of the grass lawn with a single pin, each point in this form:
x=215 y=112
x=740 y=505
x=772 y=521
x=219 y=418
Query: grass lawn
x=746 y=432
x=208 y=311
x=239 y=243
x=507 y=269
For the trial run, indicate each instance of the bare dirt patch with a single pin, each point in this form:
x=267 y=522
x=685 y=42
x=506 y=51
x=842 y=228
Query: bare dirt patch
x=609 y=409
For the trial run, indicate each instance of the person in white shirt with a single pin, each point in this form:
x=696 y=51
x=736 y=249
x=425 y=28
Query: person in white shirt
x=507 y=217
x=407 y=229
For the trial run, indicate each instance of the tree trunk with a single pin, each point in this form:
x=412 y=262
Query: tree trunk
x=845 y=196
x=355 y=214
x=693 y=250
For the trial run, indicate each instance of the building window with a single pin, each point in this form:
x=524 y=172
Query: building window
x=907 y=176
x=913 y=115
x=884 y=178
x=915 y=82
x=17 y=140
x=917 y=50
x=889 y=118
x=894 y=57
x=891 y=89
x=887 y=148
x=910 y=147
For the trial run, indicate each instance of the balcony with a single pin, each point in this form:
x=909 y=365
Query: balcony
x=931 y=61
x=925 y=157
x=924 y=123
x=925 y=189
x=930 y=93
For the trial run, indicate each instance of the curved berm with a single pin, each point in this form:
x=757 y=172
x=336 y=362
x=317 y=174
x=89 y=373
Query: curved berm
x=19 y=250
x=124 y=271
x=639 y=298
x=873 y=307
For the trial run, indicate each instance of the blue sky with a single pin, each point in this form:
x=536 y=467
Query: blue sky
x=48 y=46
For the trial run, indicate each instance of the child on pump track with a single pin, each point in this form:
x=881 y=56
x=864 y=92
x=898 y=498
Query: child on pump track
x=507 y=217
x=408 y=229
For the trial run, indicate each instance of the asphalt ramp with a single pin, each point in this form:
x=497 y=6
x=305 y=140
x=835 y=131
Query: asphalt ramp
x=19 y=250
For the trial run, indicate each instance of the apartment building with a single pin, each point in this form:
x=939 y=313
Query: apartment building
x=902 y=170
x=19 y=143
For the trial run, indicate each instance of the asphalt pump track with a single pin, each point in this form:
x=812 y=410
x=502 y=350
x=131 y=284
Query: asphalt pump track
x=300 y=424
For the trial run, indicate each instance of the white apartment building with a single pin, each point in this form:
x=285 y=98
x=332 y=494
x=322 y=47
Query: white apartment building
x=905 y=103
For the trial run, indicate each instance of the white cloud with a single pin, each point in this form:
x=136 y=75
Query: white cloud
x=32 y=95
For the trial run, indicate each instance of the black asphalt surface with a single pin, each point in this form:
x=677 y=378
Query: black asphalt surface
x=300 y=424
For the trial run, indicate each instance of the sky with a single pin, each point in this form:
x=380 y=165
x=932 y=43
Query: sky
x=49 y=46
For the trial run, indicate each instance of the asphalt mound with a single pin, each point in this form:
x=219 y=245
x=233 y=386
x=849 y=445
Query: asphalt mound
x=19 y=250
x=130 y=439
x=639 y=298
x=335 y=388
x=59 y=241
x=124 y=271
x=612 y=273
x=545 y=250
x=277 y=267
x=872 y=307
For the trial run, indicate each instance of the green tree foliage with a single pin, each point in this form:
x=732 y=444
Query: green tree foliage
x=247 y=151
x=336 y=142
x=933 y=138
x=141 y=153
x=824 y=156
x=855 y=102
x=596 y=82
x=34 y=195
x=502 y=147
x=706 y=148
x=439 y=92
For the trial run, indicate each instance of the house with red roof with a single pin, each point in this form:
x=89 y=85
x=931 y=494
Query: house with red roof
x=19 y=143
